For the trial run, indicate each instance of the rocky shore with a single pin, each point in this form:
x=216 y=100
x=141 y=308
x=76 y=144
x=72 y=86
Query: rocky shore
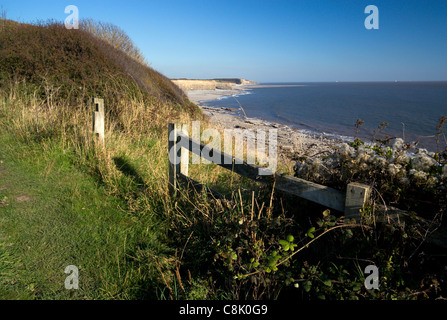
x=292 y=142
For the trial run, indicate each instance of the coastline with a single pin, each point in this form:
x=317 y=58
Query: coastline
x=200 y=97
x=292 y=143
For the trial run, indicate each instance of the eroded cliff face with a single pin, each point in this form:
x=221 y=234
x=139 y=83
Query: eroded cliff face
x=212 y=84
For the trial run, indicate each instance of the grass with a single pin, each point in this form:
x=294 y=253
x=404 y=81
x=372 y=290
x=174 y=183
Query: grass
x=102 y=209
x=106 y=210
x=68 y=201
x=68 y=218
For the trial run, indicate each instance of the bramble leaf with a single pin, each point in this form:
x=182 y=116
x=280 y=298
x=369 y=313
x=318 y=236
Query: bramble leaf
x=328 y=283
x=307 y=285
x=285 y=245
x=310 y=232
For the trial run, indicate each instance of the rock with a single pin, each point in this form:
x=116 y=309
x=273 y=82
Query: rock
x=230 y=109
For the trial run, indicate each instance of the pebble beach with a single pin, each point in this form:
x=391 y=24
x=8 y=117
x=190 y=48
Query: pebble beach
x=292 y=143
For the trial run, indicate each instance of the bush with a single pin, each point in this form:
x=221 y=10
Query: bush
x=73 y=66
x=413 y=181
x=115 y=36
x=247 y=250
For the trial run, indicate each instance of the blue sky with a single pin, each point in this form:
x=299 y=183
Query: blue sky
x=272 y=41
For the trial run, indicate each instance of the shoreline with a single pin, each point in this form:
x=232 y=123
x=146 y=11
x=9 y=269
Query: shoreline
x=200 y=97
x=292 y=142
x=310 y=134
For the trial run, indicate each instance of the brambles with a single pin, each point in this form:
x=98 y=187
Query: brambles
x=396 y=174
x=277 y=256
x=292 y=253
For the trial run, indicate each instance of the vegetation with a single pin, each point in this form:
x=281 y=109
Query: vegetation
x=400 y=173
x=401 y=176
x=114 y=36
x=65 y=200
x=73 y=65
x=102 y=210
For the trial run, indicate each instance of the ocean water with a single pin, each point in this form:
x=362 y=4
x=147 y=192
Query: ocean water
x=411 y=109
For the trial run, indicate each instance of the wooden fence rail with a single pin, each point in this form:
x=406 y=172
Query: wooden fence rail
x=350 y=203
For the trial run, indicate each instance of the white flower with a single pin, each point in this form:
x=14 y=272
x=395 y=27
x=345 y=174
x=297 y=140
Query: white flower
x=394 y=169
x=314 y=164
x=444 y=172
x=423 y=162
x=398 y=144
x=380 y=161
x=401 y=158
x=432 y=180
x=418 y=175
x=363 y=166
x=404 y=181
x=363 y=156
x=346 y=150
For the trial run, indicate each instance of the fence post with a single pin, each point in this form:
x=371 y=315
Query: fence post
x=184 y=153
x=357 y=195
x=178 y=157
x=98 y=119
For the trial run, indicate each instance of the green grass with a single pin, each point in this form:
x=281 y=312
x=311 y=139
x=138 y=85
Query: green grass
x=54 y=215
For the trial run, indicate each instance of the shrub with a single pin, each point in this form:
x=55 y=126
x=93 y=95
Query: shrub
x=113 y=35
x=73 y=66
x=397 y=175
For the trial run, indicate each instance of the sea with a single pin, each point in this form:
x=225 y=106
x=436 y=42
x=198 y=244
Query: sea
x=408 y=110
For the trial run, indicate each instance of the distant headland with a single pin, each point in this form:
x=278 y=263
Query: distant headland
x=211 y=84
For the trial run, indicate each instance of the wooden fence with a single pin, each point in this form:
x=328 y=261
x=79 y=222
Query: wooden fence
x=350 y=203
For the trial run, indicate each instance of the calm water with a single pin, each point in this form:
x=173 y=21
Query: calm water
x=410 y=108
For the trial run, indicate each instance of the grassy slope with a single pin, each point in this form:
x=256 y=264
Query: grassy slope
x=73 y=66
x=54 y=215
x=61 y=203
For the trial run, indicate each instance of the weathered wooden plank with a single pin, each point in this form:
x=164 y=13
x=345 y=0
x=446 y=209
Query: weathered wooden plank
x=311 y=191
x=98 y=118
x=225 y=160
x=357 y=195
x=323 y=195
x=351 y=202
